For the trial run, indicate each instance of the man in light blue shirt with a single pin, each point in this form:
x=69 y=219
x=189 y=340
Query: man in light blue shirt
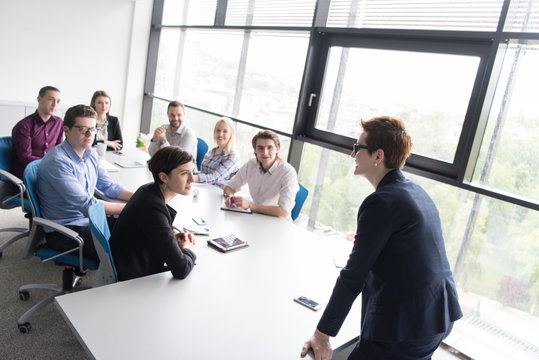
x=68 y=175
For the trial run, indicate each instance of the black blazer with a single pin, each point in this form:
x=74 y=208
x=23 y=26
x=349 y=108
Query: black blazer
x=399 y=263
x=113 y=131
x=142 y=239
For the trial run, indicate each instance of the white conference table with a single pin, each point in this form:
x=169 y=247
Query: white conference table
x=236 y=305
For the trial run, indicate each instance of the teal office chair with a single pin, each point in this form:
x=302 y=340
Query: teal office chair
x=202 y=149
x=76 y=264
x=106 y=274
x=301 y=196
x=11 y=191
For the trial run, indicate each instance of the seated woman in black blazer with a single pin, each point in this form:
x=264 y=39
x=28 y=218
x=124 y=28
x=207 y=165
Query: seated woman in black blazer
x=108 y=127
x=143 y=241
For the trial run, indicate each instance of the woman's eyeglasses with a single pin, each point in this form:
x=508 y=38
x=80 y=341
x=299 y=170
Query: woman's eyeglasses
x=358 y=147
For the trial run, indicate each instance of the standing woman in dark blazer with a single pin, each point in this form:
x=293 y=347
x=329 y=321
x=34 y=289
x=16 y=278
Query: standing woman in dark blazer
x=143 y=241
x=108 y=127
x=398 y=262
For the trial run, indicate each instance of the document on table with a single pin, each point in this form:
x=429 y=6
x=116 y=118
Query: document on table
x=130 y=164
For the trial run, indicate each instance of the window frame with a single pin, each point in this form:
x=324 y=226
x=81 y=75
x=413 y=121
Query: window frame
x=323 y=41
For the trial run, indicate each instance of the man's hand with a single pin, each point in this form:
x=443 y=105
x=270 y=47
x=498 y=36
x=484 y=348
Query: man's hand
x=319 y=342
x=160 y=134
x=238 y=201
x=185 y=240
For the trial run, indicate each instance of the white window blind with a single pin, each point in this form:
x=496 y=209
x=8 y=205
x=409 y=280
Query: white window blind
x=189 y=12
x=523 y=16
x=270 y=13
x=464 y=15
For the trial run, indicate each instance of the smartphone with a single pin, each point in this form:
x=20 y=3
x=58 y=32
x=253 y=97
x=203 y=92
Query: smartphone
x=198 y=220
x=305 y=301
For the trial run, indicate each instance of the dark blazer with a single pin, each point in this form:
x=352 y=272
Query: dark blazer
x=142 y=239
x=399 y=263
x=113 y=131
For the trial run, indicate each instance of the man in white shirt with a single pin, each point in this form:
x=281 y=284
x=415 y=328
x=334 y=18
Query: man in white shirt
x=177 y=133
x=273 y=183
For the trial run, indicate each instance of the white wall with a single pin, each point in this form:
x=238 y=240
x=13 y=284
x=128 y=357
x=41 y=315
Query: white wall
x=78 y=46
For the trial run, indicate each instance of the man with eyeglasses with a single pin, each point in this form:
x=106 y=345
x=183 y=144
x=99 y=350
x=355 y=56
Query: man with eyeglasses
x=37 y=134
x=68 y=176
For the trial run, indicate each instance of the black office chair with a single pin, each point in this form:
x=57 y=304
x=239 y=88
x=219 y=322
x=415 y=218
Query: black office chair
x=76 y=264
x=11 y=191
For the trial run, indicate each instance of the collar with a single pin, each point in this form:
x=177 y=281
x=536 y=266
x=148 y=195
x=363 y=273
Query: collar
x=271 y=169
x=180 y=129
x=72 y=154
x=392 y=176
x=37 y=118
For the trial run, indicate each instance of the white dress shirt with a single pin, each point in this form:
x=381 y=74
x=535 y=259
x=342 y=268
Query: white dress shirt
x=276 y=187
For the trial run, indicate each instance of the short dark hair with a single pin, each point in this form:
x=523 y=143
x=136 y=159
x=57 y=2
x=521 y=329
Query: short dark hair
x=44 y=90
x=78 y=111
x=175 y=104
x=96 y=95
x=167 y=159
x=389 y=134
x=266 y=134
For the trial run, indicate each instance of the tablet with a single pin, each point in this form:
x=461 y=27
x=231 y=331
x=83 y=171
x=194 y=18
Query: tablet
x=227 y=243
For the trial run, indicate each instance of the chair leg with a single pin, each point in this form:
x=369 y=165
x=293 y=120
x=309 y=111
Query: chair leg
x=69 y=281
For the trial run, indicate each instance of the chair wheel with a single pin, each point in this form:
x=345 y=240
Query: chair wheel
x=24 y=295
x=25 y=328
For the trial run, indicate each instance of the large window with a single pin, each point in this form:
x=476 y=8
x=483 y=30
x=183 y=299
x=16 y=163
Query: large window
x=463 y=76
x=508 y=159
x=430 y=92
x=252 y=75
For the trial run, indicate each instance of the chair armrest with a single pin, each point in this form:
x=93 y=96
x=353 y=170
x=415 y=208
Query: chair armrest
x=59 y=228
x=73 y=235
x=12 y=178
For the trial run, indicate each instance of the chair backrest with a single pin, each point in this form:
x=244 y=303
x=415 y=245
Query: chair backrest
x=5 y=153
x=202 y=149
x=301 y=195
x=106 y=273
x=30 y=180
x=11 y=192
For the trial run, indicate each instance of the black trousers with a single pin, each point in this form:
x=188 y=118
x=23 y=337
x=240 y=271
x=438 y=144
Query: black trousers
x=61 y=242
x=402 y=350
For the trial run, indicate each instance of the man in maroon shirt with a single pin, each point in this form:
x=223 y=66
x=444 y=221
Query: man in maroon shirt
x=36 y=134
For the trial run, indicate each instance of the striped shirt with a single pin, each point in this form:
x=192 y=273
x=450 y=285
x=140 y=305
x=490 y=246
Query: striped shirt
x=217 y=168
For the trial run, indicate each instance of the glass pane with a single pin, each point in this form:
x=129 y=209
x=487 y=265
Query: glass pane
x=273 y=74
x=199 y=68
x=430 y=92
x=479 y=15
x=498 y=271
x=189 y=12
x=508 y=157
x=253 y=76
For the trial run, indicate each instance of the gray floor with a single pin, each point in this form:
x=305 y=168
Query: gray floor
x=50 y=337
